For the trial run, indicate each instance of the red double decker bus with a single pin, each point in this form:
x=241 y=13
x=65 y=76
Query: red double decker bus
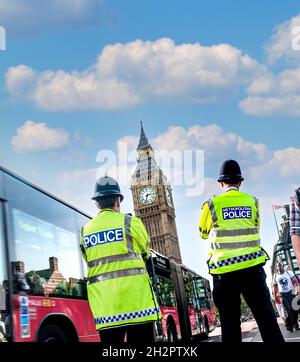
x=43 y=295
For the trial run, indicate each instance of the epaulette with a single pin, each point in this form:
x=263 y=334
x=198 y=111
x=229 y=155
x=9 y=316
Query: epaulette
x=82 y=249
x=205 y=203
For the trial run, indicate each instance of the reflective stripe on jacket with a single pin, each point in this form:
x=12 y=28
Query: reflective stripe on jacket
x=114 y=246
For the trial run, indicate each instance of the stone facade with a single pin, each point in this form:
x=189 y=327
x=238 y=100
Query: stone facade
x=153 y=202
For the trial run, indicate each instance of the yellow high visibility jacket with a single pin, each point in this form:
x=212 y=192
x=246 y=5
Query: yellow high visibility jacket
x=114 y=246
x=231 y=222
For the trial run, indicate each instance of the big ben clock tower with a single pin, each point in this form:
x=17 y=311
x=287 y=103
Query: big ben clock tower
x=153 y=201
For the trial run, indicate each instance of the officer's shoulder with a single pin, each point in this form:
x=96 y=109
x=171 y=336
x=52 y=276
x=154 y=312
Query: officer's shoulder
x=128 y=215
x=133 y=217
x=86 y=226
x=245 y=193
x=135 y=221
x=207 y=202
x=251 y=196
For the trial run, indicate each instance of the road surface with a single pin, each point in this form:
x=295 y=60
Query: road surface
x=251 y=334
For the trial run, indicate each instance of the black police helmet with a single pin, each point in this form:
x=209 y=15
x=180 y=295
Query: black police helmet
x=106 y=187
x=230 y=172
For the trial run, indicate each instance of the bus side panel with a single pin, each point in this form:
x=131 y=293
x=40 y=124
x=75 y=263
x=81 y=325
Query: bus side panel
x=194 y=321
x=184 y=319
x=211 y=317
x=77 y=311
x=173 y=313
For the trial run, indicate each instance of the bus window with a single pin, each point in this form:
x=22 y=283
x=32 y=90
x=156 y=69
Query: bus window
x=46 y=243
x=191 y=294
x=160 y=274
x=193 y=301
x=165 y=292
x=3 y=282
x=202 y=293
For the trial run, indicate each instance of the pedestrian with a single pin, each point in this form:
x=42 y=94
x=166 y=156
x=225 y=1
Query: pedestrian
x=2 y=330
x=279 y=307
x=115 y=247
x=283 y=283
x=295 y=223
x=231 y=222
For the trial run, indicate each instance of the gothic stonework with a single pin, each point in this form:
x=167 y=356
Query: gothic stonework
x=153 y=201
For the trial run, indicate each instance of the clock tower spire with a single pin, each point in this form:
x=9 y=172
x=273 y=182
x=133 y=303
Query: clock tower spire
x=153 y=201
x=144 y=142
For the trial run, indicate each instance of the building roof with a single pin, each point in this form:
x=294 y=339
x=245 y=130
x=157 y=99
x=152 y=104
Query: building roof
x=42 y=274
x=144 y=142
x=147 y=166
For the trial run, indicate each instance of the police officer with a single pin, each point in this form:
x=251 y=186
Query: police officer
x=115 y=247
x=231 y=222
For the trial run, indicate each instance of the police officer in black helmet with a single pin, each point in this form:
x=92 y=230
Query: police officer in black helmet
x=231 y=222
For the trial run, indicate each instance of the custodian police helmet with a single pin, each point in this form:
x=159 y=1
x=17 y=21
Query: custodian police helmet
x=230 y=172
x=105 y=187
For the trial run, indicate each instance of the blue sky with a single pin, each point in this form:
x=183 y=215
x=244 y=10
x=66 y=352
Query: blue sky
x=57 y=70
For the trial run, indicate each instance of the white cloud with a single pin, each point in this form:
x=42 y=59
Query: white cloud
x=259 y=163
x=126 y=75
x=33 y=136
x=59 y=90
x=283 y=164
x=273 y=105
x=180 y=174
x=77 y=187
x=27 y=16
x=179 y=152
x=274 y=94
x=86 y=141
x=78 y=175
x=285 y=42
x=209 y=138
x=265 y=170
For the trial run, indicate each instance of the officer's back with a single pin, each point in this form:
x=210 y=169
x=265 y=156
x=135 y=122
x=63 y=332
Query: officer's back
x=115 y=247
x=231 y=222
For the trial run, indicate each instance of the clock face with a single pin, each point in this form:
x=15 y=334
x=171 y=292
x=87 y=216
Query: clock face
x=169 y=197
x=147 y=195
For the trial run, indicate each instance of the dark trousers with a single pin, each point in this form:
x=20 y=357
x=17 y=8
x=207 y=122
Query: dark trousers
x=251 y=284
x=291 y=315
x=136 y=333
